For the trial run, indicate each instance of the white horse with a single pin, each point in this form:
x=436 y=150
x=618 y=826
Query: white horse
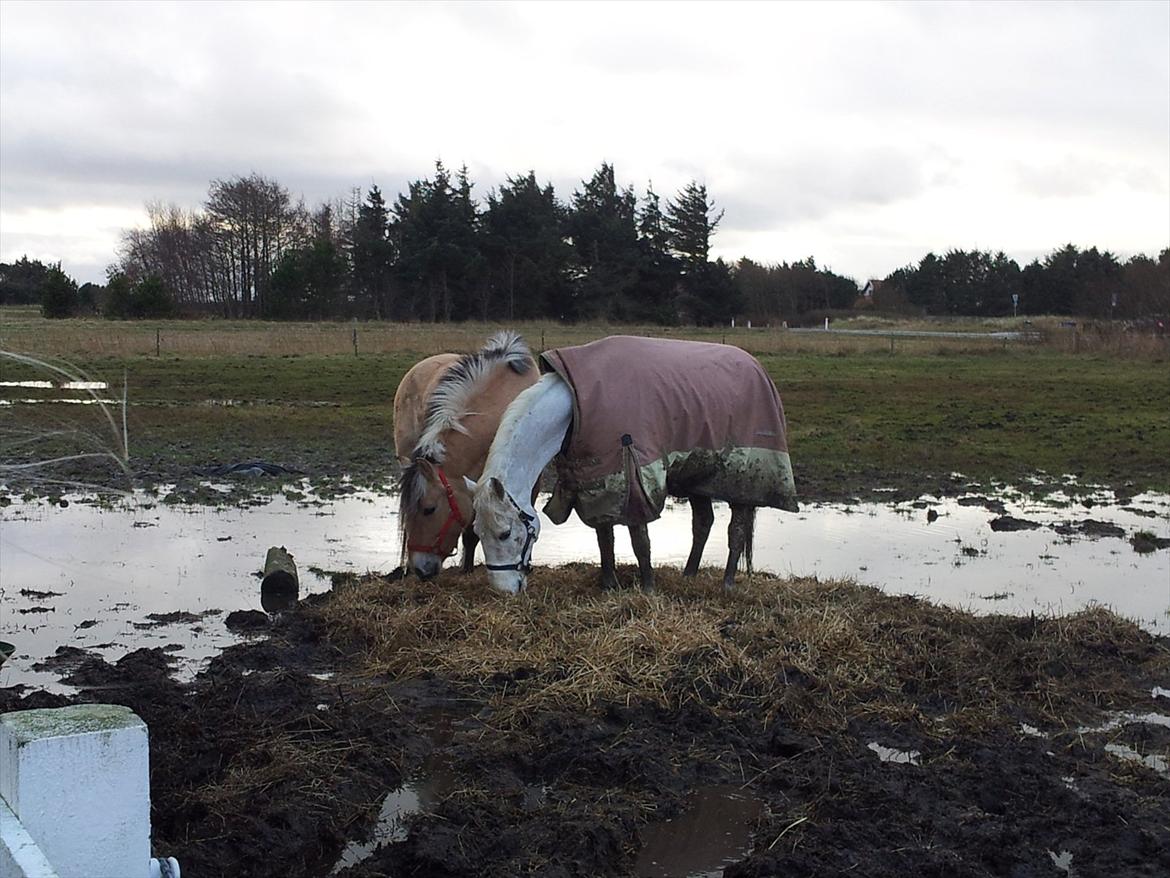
x=742 y=459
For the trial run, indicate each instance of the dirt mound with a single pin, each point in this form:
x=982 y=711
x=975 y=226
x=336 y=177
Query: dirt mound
x=572 y=720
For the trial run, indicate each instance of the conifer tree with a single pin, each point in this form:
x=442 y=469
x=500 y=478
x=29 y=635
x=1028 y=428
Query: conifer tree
x=658 y=270
x=604 y=233
x=58 y=293
x=373 y=256
x=528 y=257
x=708 y=294
x=691 y=221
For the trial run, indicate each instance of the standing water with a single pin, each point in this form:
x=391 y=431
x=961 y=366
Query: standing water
x=145 y=573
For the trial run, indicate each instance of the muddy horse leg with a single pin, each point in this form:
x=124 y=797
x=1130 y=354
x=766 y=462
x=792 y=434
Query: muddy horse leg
x=702 y=517
x=470 y=541
x=640 y=540
x=739 y=541
x=608 y=570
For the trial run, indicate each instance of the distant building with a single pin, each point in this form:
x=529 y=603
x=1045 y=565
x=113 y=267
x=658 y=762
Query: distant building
x=868 y=292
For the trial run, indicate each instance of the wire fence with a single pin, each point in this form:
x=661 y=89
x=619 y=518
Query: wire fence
x=99 y=338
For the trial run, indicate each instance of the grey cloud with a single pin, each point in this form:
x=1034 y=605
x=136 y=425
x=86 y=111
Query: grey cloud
x=76 y=254
x=778 y=191
x=1071 y=175
x=1062 y=71
x=634 y=54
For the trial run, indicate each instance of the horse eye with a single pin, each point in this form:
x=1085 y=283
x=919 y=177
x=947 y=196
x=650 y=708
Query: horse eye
x=430 y=510
x=506 y=534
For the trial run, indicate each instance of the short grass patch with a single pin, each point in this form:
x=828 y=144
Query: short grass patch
x=858 y=421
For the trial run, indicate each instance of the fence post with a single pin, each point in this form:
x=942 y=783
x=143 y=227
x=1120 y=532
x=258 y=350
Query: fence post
x=158 y=342
x=355 y=353
x=77 y=780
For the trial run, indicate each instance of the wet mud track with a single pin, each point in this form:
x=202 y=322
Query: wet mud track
x=282 y=752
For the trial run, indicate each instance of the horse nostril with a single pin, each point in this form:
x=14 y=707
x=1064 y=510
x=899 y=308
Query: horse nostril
x=426 y=568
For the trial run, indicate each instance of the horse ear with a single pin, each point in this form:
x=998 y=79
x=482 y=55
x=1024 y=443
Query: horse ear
x=425 y=467
x=471 y=484
x=497 y=488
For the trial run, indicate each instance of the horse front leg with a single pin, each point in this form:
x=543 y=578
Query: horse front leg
x=640 y=540
x=702 y=517
x=739 y=539
x=608 y=568
x=470 y=541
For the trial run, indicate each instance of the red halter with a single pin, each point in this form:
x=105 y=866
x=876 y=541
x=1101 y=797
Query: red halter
x=453 y=517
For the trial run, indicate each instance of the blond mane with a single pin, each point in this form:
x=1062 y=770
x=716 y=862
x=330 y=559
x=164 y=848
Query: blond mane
x=449 y=403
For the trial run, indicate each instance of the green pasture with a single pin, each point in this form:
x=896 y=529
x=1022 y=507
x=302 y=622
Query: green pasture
x=860 y=418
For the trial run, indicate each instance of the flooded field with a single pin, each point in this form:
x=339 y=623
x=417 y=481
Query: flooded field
x=920 y=679
x=145 y=573
x=801 y=725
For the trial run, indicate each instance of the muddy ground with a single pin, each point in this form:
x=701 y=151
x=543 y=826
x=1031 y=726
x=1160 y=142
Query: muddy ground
x=280 y=753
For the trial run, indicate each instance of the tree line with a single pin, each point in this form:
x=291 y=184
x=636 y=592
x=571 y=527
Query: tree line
x=1090 y=283
x=437 y=253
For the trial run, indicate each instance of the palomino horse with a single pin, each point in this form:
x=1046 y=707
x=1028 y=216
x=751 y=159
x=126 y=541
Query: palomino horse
x=464 y=397
x=634 y=420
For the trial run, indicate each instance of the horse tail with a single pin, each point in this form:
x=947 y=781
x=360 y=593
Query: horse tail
x=749 y=534
x=509 y=345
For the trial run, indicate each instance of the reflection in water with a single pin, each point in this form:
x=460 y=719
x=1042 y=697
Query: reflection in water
x=713 y=831
x=61 y=399
x=64 y=385
x=1117 y=720
x=435 y=780
x=889 y=754
x=1153 y=761
x=85 y=385
x=1063 y=862
x=414 y=797
x=111 y=567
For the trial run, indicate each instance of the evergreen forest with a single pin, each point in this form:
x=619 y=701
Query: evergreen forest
x=437 y=252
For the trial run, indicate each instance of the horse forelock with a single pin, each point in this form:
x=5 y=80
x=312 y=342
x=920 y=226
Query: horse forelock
x=458 y=386
x=491 y=510
x=412 y=485
x=509 y=346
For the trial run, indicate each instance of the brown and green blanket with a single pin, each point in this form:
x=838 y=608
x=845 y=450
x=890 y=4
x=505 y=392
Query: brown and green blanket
x=656 y=417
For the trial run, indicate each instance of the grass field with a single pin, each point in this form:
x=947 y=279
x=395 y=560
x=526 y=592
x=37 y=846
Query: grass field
x=861 y=418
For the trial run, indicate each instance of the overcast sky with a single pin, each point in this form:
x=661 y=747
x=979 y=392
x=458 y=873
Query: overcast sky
x=864 y=134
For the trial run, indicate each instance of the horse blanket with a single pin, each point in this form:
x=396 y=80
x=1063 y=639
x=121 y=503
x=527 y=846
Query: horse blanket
x=656 y=417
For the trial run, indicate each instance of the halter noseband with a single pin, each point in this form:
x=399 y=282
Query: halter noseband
x=524 y=565
x=453 y=517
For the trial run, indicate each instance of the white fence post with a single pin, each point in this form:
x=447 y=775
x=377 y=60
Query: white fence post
x=77 y=780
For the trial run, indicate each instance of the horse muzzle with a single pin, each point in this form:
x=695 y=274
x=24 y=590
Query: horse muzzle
x=507 y=581
x=427 y=566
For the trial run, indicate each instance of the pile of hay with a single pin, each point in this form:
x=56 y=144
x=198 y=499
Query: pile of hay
x=819 y=653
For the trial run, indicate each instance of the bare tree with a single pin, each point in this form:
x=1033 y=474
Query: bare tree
x=254 y=223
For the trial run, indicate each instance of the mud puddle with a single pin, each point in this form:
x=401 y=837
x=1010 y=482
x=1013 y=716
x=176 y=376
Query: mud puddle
x=713 y=831
x=421 y=792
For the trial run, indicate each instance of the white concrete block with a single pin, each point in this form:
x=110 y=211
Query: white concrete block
x=20 y=857
x=78 y=780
